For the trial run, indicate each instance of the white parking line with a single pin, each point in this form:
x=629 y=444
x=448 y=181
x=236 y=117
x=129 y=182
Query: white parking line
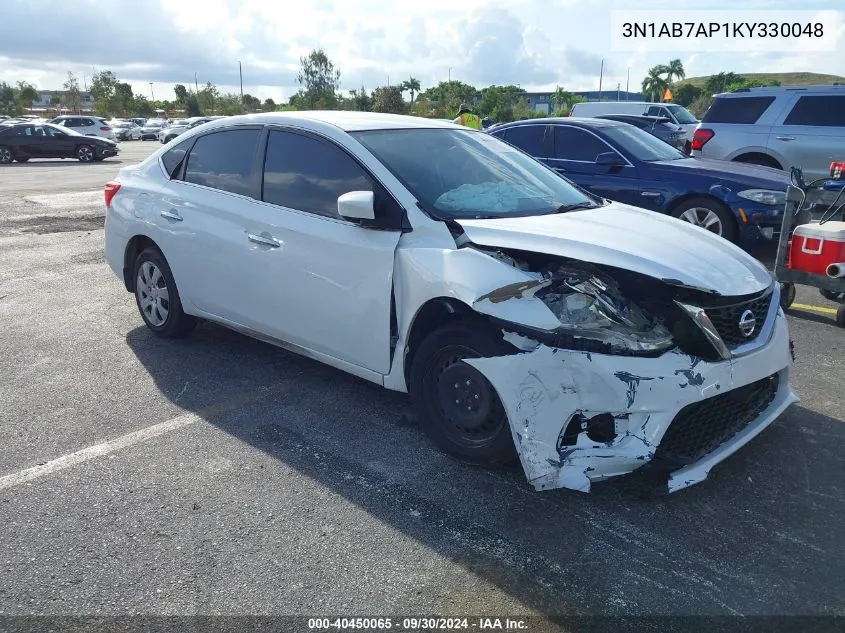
x=68 y=199
x=85 y=454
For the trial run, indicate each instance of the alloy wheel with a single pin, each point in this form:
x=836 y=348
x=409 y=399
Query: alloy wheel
x=703 y=217
x=85 y=154
x=5 y=155
x=153 y=294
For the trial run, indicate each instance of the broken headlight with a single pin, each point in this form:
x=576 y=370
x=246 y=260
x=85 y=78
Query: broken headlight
x=590 y=306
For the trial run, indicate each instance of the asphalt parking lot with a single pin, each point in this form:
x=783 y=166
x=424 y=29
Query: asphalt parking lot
x=221 y=475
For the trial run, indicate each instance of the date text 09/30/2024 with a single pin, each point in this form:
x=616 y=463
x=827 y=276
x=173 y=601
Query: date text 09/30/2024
x=417 y=624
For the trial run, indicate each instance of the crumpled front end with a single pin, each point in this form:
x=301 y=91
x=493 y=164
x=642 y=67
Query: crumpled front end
x=579 y=417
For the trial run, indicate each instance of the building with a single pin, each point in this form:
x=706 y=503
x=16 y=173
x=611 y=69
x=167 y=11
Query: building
x=542 y=101
x=54 y=101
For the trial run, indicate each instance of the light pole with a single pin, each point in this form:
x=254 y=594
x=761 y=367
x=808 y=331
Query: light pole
x=241 y=73
x=152 y=96
x=450 y=74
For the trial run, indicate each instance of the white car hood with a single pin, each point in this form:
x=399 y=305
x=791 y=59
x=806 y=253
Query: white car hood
x=632 y=239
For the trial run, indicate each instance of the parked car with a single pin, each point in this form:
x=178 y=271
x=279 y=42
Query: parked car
x=126 y=131
x=623 y=163
x=169 y=133
x=85 y=125
x=781 y=127
x=151 y=128
x=677 y=114
x=138 y=121
x=528 y=318
x=661 y=127
x=27 y=140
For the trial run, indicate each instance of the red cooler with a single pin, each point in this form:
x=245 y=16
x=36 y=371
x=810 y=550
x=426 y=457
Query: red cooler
x=814 y=247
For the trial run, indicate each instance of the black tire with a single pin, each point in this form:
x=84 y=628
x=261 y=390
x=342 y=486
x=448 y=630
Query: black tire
x=787 y=295
x=832 y=296
x=728 y=226
x=840 y=316
x=175 y=323
x=483 y=436
x=85 y=153
x=7 y=155
x=22 y=159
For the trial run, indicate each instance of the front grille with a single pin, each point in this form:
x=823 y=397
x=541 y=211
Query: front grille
x=726 y=319
x=701 y=427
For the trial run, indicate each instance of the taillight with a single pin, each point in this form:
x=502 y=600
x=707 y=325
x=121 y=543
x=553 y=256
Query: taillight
x=112 y=188
x=700 y=138
x=837 y=170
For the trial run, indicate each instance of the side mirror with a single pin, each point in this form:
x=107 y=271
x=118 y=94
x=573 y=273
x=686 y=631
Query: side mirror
x=357 y=205
x=610 y=159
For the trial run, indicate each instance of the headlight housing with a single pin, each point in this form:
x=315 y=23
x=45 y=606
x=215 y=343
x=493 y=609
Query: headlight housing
x=590 y=306
x=764 y=196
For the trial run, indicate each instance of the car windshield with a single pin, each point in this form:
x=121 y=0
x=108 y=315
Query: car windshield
x=640 y=144
x=463 y=174
x=682 y=115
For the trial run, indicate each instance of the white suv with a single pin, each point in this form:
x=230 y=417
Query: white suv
x=781 y=127
x=527 y=318
x=86 y=125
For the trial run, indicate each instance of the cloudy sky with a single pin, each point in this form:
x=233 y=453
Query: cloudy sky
x=534 y=43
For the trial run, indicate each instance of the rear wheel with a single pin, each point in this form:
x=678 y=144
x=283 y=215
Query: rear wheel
x=6 y=155
x=708 y=214
x=158 y=298
x=85 y=153
x=458 y=407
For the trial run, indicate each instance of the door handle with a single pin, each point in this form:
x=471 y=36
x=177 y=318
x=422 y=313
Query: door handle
x=264 y=240
x=650 y=194
x=171 y=215
x=785 y=138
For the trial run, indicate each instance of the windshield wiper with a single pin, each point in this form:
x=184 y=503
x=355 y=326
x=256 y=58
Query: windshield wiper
x=574 y=207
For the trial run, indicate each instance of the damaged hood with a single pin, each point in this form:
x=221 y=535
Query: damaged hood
x=633 y=239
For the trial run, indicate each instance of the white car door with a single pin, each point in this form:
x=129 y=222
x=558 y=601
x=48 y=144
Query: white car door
x=308 y=276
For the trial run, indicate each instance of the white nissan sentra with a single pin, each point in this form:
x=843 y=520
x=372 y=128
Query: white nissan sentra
x=526 y=317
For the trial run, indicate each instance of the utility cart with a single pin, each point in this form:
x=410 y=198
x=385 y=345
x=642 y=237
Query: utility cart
x=812 y=252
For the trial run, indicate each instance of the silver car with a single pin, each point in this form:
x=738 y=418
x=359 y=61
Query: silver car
x=781 y=127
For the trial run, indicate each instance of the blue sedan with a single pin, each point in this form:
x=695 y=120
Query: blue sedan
x=741 y=202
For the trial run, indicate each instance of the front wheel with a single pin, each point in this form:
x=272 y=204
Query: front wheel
x=708 y=214
x=85 y=153
x=459 y=409
x=157 y=297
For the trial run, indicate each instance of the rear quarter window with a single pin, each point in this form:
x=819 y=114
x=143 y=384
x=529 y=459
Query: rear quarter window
x=747 y=110
x=822 y=111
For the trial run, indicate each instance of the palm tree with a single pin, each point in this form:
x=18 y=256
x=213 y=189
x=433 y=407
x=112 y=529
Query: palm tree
x=675 y=70
x=655 y=83
x=412 y=85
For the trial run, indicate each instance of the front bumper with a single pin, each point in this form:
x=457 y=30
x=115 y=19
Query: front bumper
x=106 y=152
x=762 y=222
x=545 y=389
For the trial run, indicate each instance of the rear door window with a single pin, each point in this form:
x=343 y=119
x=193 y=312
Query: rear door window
x=531 y=139
x=821 y=111
x=224 y=160
x=747 y=110
x=572 y=143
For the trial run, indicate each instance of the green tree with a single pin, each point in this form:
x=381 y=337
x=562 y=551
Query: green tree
x=142 y=106
x=269 y=105
x=229 y=104
x=73 y=98
x=251 y=104
x=720 y=81
x=685 y=94
x=192 y=106
x=655 y=84
x=358 y=100
x=412 y=85
x=103 y=89
x=124 y=100
x=27 y=93
x=207 y=97
x=181 y=93
x=497 y=102
x=319 y=82
x=389 y=99
x=447 y=96
x=522 y=110
x=9 y=102
x=675 y=70
x=700 y=104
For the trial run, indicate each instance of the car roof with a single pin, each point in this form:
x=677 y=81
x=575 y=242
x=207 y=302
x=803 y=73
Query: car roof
x=835 y=88
x=571 y=120
x=344 y=120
